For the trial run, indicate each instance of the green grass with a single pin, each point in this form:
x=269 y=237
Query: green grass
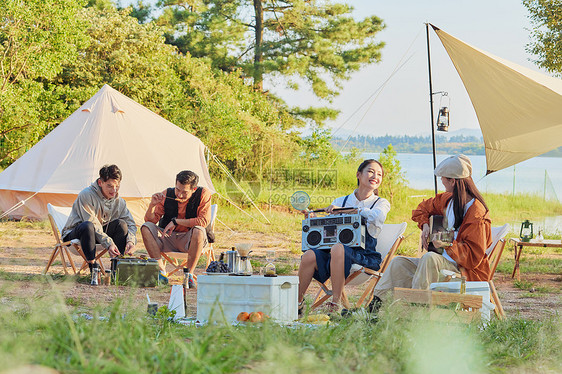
x=73 y=301
x=537 y=251
x=257 y=264
x=533 y=288
x=286 y=269
x=20 y=277
x=532 y=264
x=20 y=230
x=126 y=341
x=33 y=224
x=517 y=342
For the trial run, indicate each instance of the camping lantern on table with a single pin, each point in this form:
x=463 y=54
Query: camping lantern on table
x=526 y=233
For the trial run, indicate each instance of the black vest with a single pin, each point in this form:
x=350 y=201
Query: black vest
x=171 y=209
x=345 y=201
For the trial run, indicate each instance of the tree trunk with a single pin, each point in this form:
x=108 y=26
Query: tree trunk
x=258 y=54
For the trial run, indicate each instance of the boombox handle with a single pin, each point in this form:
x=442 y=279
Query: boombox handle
x=334 y=210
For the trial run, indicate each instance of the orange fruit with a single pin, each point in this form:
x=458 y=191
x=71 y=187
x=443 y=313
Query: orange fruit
x=243 y=316
x=255 y=317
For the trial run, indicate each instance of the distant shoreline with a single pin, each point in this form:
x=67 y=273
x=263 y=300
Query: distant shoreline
x=455 y=144
x=555 y=153
x=548 y=154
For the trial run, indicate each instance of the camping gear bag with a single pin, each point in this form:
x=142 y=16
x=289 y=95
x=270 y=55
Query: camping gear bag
x=140 y=272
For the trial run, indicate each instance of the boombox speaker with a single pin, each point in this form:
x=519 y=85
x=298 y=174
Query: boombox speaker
x=324 y=232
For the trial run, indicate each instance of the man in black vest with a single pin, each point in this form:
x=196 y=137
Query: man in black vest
x=177 y=220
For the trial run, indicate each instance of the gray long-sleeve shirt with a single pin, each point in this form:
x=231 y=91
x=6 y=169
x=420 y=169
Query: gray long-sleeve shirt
x=92 y=206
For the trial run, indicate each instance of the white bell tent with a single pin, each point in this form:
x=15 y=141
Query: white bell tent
x=110 y=128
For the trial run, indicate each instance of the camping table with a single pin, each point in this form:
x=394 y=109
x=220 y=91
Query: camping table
x=518 y=245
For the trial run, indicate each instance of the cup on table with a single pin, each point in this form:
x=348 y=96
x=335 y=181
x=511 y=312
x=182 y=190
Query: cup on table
x=152 y=309
x=107 y=277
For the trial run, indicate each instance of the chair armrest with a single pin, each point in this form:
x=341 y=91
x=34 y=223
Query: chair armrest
x=372 y=272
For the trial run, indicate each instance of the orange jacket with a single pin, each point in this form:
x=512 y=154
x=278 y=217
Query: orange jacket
x=203 y=212
x=474 y=235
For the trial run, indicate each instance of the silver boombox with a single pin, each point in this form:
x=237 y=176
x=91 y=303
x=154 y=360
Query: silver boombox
x=324 y=232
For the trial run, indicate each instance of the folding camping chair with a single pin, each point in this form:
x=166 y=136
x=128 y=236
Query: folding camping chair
x=179 y=259
x=58 y=216
x=388 y=241
x=494 y=253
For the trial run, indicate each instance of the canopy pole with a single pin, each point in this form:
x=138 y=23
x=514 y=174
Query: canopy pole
x=513 y=190
x=544 y=190
x=431 y=105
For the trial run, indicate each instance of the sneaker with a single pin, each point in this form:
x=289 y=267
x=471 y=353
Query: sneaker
x=191 y=282
x=374 y=305
x=348 y=312
x=95 y=272
x=162 y=278
x=300 y=309
x=332 y=308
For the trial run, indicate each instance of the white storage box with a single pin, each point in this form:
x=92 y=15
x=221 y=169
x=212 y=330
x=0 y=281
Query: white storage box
x=224 y=295
x=472 y=288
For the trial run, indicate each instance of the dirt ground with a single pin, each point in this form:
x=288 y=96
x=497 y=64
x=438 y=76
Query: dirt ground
x=24 y=251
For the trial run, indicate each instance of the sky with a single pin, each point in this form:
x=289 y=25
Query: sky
x=500 y=27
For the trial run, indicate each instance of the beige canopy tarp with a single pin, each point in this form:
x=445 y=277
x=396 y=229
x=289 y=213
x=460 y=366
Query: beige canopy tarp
x=519 y=110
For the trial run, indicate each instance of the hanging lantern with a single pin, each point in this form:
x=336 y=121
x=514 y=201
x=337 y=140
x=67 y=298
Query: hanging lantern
x=443 y=119
x=526 y=233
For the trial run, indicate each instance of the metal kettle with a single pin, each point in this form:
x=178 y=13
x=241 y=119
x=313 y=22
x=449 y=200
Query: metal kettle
x=232 y=260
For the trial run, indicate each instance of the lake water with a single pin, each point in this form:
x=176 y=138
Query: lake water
x=525 y=177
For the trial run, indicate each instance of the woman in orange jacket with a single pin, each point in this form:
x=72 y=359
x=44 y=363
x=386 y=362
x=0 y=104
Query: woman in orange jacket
x=466 y=214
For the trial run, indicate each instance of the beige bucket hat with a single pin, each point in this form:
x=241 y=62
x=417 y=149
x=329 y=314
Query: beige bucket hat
x=457 y=167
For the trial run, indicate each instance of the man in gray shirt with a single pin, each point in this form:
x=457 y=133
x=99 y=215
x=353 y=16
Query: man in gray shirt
x=100 y=216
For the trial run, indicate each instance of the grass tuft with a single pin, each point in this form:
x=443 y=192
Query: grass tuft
x=119 y=338
x=532 y=264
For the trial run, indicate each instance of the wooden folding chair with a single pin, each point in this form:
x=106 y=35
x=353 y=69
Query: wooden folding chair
x=494 y=253
x=388 y=241
x=57 y=217
x=179 y=259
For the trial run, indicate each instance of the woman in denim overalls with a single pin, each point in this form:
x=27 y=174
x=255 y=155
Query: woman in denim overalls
x=336 y=262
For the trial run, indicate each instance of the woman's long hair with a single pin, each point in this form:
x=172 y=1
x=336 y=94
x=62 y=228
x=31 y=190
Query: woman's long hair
x=464 y=190
x=366 y=163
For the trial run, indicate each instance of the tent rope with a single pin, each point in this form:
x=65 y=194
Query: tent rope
x=374 y=96
x=232 y=232
x=225 y=225
x=18 y=205
x=227 y=172
x=240 y=209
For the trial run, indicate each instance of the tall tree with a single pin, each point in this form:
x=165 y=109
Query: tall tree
x=317 y=41
x=205 y=29
x=239 y=125
x=546 y=35
x=36 y=38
